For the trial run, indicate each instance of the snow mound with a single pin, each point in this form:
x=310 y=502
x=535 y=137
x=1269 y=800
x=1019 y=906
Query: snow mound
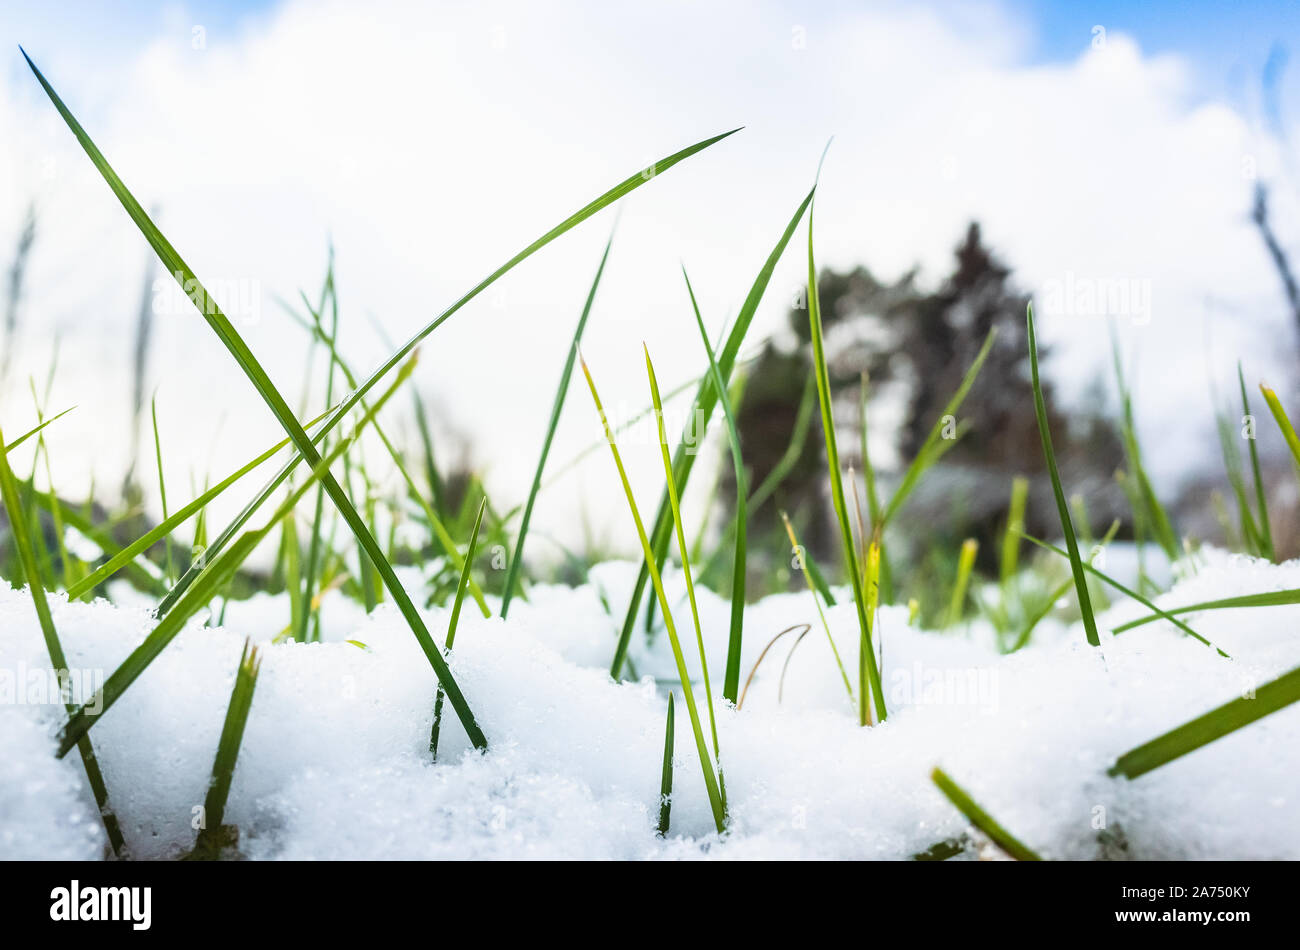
x=335 y=760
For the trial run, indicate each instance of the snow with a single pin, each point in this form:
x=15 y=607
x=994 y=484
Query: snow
x=335 y=759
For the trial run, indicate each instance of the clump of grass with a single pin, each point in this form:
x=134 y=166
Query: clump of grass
x=215 y=836
x=680 y=531
x=1128 y=592
x=215 y=573
x=22 y=535
x=868 y=672
x=1147 y=509
x=706 y=761
x=226 y=332
x=561 y=391
x=706 y=400
x=731 y=680
x=981 y=819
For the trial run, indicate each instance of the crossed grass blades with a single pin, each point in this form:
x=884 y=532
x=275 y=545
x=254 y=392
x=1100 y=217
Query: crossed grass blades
x=320 y=443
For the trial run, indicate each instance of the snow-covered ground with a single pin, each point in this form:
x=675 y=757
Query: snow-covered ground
x=335 y=762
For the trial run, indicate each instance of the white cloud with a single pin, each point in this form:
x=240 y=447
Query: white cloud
x=432 y=144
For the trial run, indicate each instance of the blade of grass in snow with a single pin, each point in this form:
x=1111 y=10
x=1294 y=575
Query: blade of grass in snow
x=934 y=446
x=981 y=819
x=162 y=486
x=211 y=578
x=1059 y=592
x=561 y=391
x=27 y=560
x=307 y=580
x=706 y=399
x=801 y=557
x=1215 y=724
x=803 y=628
x=226 y=332
x=706 y=762
x=788 y=460
x=436 y=523
x=31 y=432
x=731 y=682
x=1265 y=533
x=1128 y=592
x=208 y=308
x=128 y=554
x=1283 y=423
x=293 y=578
x=965 y=563
x=869 y=674
x=680 y=531
x=1015 y=525
x=1272 y=598
x=666 y=777
x=868 y=470
x=1251 y=536
x=215 y=835
x=142 y=573
x=1154 y=513
x=453 y=623
x=1045 y=434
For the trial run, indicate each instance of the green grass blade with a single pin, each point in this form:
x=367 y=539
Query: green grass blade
x=1261 y=521
x=706 y=761
x=1153 y=512
x=706 y=399
x=790 y=458
x=454 y=623
x=870 y=682
x=680 y=530
x=233 y=342
x=1272 y=598
x=965 y=563
x=935 y=445
x=981 y=819
x=440 y=531
x=1128 y=592
x=731 y=682
x=27 y=559
x=211 y=578
x=1283 y=423
x=666 y=778
x=1015 y=526
x=1044 y=432
x=162 y=485
x=561 y=391
x=31 y=432
x=215 y=835
x=141 y=544
x=1057 y=594
x=1215 y=724
x=805 y=566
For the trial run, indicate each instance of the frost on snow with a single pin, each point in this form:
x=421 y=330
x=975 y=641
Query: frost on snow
x=335 y=761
